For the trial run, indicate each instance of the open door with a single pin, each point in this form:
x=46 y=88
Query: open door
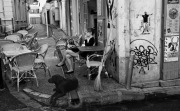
x=170 y=37
x=101 y=34
x=93 y=16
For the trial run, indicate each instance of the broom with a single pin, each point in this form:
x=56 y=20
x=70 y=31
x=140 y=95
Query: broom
x=97 y=82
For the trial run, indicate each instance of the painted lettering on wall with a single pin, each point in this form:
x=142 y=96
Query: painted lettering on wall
x=145 y=54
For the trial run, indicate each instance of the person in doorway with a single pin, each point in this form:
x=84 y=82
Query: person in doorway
x=73 y=51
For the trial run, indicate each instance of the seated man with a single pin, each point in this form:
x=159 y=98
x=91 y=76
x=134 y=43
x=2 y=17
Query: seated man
x=72 y=50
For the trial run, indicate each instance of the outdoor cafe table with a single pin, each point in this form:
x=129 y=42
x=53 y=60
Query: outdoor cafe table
x=12 y=37
x=23 y=32
x=91 y=48
x=14 y=49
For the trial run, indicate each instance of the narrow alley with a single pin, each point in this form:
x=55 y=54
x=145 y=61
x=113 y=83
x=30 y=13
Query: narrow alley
x=72 y=55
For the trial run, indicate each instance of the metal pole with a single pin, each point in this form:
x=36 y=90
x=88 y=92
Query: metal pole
x=47 y=24
x=13 y=25
x=130 y=72
x=0 y=26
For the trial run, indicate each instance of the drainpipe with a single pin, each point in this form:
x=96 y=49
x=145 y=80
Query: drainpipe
x=63 y=14
x=60 y=14
x=47 y=24
x=47 y=6
x=130 y=72
x=162 y=39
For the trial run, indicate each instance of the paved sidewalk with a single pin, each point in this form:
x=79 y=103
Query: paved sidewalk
x=86 y=88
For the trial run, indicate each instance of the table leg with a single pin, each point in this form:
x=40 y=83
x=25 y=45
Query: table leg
x=1 y=76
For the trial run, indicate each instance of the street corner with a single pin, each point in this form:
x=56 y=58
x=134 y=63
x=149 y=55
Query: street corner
x=99 y=98
x=45 y=98
x=40 y=97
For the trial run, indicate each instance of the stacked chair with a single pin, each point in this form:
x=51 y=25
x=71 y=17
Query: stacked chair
x=40 y=60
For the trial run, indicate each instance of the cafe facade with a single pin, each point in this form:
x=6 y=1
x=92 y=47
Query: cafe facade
x=149 y=30
x=13 y=14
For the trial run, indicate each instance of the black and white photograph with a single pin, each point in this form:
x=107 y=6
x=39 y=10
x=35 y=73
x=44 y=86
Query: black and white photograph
x=89 y=55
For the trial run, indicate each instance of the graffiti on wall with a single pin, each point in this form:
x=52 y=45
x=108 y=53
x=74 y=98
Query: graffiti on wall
x=145 y=23
x=111 y=13
x=145 y=54
x=112 y=59
x=111 y=20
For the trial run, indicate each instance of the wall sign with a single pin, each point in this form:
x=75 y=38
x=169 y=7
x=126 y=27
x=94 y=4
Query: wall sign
x=171 y=51
x=172 y=19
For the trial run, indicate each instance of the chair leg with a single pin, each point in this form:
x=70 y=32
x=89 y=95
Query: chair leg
x=106 y=73
x=46 y=69
x=18 y=80
x=49 y=72
x=89 y=73
x=55 y=53
x=35 y=78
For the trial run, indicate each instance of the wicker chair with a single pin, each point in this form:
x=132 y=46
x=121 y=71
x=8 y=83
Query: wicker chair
x=40 y=60
x=59 y=43
x=23 y=66
x=31 y=43
x=23 y=32
x=96 y=60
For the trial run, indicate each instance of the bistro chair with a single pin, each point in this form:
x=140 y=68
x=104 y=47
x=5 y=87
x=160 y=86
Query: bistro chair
x=31 y=43
x=60 y=42
x=79 y=60
x=40 y=60
x=29 y=27
x=96 y=60
x=23 y=66
x=23 y=32
x=20 y=35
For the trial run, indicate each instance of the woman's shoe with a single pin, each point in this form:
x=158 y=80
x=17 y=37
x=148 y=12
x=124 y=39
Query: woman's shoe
x=69 y=72
x=60 y=64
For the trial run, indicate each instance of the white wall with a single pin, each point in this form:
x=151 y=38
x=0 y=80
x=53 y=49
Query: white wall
x=34 y=15
x=75 y=18
x=147 y=43
x=125 y=27
x=7 y=13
